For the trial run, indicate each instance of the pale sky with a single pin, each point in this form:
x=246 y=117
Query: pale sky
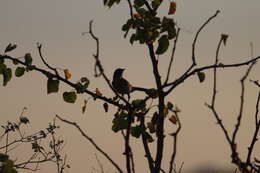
x=58 y=25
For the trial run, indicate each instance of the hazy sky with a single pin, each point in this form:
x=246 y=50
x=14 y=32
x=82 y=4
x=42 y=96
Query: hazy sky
x=58 y=25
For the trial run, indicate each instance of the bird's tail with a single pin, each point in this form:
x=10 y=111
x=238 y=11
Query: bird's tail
x=138 y=89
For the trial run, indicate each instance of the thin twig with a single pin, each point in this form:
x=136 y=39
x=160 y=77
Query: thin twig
x=92 y=142
x=181 y=79
x=99 y=164
x=130 y=8
x=98 y=65
x=239 y=117
x=146 y=147
x=197 y=34
x=39 y=46
x=73 y=85
x=172 y=56
x=175 y=137
x=257 y=126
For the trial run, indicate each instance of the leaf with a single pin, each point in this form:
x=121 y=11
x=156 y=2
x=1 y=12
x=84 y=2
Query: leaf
x=98 y=92
x=10 y=47
x=84 y=106
x=172 y=8
x=163 y=45
x=151 y=127
x=155 y=118
x=136 y=131
x=156 y=3
x=70 y=97
x=139 y=104
x=105 y=106
x=24 y=120
x=2 y=60
x=170 y=105
x=3 y=157
x=132 y=38
x=201 y=76
x=166 y=111
x=173 y=119
x=28 y=59
x=52 y=86
x=120 y=122
x=67 y=74
x=15 y=62
x=7 y=73
x=112 y=2
x=19 y=71
x=2 y=68
x=139 y=3
x=152 y=93
x=224 y=37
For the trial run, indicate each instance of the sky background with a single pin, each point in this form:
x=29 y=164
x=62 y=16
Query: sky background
x=58 y=25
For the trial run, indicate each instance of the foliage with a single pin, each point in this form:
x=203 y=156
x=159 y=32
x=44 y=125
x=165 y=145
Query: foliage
x=140 y=118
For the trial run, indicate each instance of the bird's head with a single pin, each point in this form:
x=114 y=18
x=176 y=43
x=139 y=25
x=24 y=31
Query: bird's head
x=118 y=73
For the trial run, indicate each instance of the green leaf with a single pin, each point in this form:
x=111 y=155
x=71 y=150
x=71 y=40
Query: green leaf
x=3 y=157
x=24 y=120
x=10 y=47
x=70 y=97
x=2 y=68
x=52 y=86
x=170 y=105
x=139 y=3
x=112 y=2
x=28 y=59
x=156 y=4
x=2 y=60
x=120 y=122
x=163 y=45
x=224 y=37
x=155 y=118
x=152 y=93
x=136 y=131
x=7 y=73
x=132 y=38
x=151 y=127
x=19 y=71
x=201 y=76
x=139 y=104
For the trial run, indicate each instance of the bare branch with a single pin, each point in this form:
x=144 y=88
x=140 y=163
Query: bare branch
x=196 y=37
x=99 y=164
x=257 y=127
x=92 y=142
x=98 y=65
x=130 y=8
x=239 y=117
x=175 y=137
x=39 y=46
x=172 y=56
x=181 y=79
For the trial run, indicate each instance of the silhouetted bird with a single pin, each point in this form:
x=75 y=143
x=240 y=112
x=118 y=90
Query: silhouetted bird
x=121 y=85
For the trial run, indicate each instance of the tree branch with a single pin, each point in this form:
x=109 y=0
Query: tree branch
x=181 y=79
x=196 y=37
x=92 y=142
x=175 y=137
x=257 y=127
x=172 y=56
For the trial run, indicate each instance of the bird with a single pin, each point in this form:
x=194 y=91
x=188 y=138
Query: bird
x=121 y=85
